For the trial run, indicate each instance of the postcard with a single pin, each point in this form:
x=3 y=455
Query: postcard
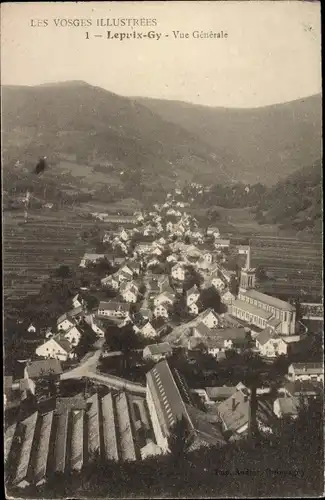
x=162 y=249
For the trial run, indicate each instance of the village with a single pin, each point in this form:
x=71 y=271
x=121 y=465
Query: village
x=170 y=327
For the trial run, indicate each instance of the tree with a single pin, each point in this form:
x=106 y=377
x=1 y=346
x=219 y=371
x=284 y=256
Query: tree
x=180 y=440
x=63 y=272
x=210 y=298
x=92 y=302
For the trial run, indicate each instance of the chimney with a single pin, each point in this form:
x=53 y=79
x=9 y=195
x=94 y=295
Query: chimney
x=248 y=259
x=233 y=404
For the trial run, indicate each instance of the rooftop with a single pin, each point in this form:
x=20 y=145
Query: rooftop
x=43 y=368
x=269 y=300
x=254 y=310
x=114 y=306
x=162 y=348
x=310 y=368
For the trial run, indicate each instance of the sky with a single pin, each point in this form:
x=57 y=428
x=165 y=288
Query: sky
x=272 y=53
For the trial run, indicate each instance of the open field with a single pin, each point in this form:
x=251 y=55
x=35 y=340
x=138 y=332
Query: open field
x=32 y=250
x=296 y=266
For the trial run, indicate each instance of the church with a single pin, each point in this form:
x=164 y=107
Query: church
x=259 y=309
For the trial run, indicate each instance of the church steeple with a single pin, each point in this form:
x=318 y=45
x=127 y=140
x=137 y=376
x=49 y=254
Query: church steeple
x=247 y=275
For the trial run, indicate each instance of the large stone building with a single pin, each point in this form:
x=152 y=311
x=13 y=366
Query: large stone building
x=259 y=309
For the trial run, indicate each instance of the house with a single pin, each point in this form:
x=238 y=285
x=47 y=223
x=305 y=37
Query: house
x=148 y=330
x=169 y=400
x=169 y=227
x=91 y=258
x=165 y=297
x=95 y=325
x=221 y=243
x=110 y=281
x=31 y=328
x=129 y=292
x=145 y=313
x=219 y=285
x=286 y=407
x=192 y=295
x=163 y=310
x=156 y=352
x=194 y=308
x=207 y=256
x=213 y=231
x=57 y=347
x=178 y=272
x=209 y=318
x=172 y=258
x=219 y=340
x=113 y=309
x=64 y=322
x=227 y=298
x=143 y=247
x=73 y=335
x=77 y=301
x=236 y=414
x=271 y=344
x=306 y=371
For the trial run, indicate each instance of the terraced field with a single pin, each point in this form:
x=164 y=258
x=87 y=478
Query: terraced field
x=55 y=441
x=32 y=250
x=296 y=266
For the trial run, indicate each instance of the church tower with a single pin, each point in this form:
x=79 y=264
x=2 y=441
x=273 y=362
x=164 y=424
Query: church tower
x=247 y=275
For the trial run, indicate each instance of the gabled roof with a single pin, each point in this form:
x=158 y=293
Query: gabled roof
x=43 y=368
x=266 y=335
x=289 y=405
x=269 y=300
x=254 y=310
x=193 y=290
x=162 y=348
x=310 y=368
x=237 y=416
x=223 y=392
x=63 y=343
x=112 y=306
x=304 y=387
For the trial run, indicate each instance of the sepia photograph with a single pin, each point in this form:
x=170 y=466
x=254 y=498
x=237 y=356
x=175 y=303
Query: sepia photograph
x=162 y=249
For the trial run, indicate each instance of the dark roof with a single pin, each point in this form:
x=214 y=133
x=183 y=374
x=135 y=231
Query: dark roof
x=310 y=368
x=63 y=342
x=265 y=336
x=121 y=306
x=304 y=387
x=162 y=348
x=269 y=300
x=223 y=392
x=43 y=368
x=172 y=407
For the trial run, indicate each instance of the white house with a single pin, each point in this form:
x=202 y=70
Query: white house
x=57 y=347
x=148 y=330
x=95 y=326
x=209 y=318
x=218 y=284
x=193 y=309
x=129 y=293
x=91 y=258
x=31 y=328
x=164 y=297
x=73 y=335
x=271 y=345
x=227 y=298
x=64 y=322
x=192 y=295
x=76 y=301
x=178 y=272
x=113 y=309
x=162 y=310
x=306 y=371
x=221 y=243
x=110 y=281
